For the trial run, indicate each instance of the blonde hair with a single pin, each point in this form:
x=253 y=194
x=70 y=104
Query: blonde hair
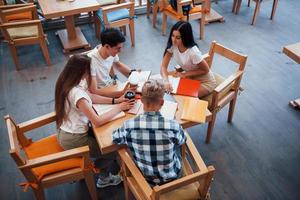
x=153 y=90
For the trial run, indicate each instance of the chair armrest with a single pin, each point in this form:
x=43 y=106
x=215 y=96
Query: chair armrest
x=15 y=6
x=117 y=6
x=197 y=159
x=20 y=24
x=228 y=81
x=56 y=157
x=136 y=174
x=37 y=122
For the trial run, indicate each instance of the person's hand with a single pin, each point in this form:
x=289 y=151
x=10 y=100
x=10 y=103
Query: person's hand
x=126 y=105
x=168 y=86
x=179 y=74
x=121 y=98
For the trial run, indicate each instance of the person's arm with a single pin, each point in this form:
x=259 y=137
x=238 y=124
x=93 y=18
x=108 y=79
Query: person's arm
x=181 y=137
x=203 y=68
x=119 y=135
x=103 y=92
x=164 y=71
x=121 y=67
x=83 y=105
x=98 y=99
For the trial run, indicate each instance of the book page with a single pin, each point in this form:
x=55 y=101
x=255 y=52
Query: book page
x=140 y=78
x=104 y=108
x=174 y=82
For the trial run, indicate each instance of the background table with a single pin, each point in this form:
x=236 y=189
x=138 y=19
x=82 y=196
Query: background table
x=71 y=37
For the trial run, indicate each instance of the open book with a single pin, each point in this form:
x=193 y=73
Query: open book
x=168 y=110
x=139 y=78
x=194 y=110
x=104 y=108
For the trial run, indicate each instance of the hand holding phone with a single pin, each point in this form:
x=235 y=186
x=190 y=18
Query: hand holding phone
x=178 y=68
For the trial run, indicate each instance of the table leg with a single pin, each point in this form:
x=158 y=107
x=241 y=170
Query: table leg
x=72 y=37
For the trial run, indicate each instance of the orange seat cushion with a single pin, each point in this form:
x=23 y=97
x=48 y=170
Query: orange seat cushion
x=19 y=16
x=46 y=146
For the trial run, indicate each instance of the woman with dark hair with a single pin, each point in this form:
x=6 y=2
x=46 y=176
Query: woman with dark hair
x=182 y=46
x=74 y=110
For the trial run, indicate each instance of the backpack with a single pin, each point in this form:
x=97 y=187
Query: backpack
x=185 y=9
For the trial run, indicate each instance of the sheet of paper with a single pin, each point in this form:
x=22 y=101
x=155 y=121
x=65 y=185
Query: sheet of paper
x=104 y=108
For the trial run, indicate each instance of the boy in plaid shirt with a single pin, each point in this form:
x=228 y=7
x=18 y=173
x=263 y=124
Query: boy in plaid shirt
x=153 y=140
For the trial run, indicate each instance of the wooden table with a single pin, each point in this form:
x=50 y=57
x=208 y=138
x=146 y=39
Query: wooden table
x=71 y=37
x=104 y=133
x=293 y=51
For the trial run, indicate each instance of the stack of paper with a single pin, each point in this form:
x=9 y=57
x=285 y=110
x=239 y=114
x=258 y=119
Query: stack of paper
x=104 y=108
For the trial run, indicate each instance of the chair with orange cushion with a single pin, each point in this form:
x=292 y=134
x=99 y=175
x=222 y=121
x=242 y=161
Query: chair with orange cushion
x=43 y=162
x=19 y=32
x=194 y=183
x=196 y=13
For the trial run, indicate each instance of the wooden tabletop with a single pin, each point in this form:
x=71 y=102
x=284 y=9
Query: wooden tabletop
x=293 y=51
x=58 y=8
x=104 y=133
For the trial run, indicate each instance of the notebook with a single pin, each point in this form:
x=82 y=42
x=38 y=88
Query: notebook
x=194 y=110
x=140 y=78
x=184 y=86
x=104 y=108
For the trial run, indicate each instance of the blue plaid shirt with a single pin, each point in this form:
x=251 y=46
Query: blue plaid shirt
x=155 y=145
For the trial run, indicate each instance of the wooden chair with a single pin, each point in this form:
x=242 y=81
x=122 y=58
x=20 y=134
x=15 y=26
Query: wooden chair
x=116 y=15
x=237 y=4
x=228 y=88
x=194 y=184
x=19 y=32
x=47 y=167
x=196 y=13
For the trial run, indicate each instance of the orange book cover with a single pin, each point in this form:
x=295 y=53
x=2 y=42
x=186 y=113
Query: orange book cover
x=188 y=87
x=194 y=110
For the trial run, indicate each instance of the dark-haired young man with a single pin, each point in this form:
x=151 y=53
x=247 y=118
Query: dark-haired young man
x=104 y=59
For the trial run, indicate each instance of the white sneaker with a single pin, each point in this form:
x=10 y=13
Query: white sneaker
x=109 y=180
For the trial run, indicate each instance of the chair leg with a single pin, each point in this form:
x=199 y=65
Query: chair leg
x=238 y=6
x=210 y=127
x=164 y=24
x=45 y=51
x=148 y=8
x=231 y=110
x=256 y=11
x=97 y=26
x=39 y=193
x=249 y=3
x=202 y=26
x=14 y=54
x=234 y=6
x=123 y=29
x=90 y=183
x=275 y=2
x=132 y=34
x=154 y=14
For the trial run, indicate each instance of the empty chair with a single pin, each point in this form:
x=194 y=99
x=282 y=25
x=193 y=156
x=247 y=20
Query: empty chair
x=43 y=162
x=116 y=15
x=18 y=32
x=237 y=4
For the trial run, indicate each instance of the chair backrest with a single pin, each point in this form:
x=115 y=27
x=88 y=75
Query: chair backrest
x=232 y=83
x=194 y=183
x=18 y=12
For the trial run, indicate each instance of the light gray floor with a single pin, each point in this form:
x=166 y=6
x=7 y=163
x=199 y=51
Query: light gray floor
x=256 y=157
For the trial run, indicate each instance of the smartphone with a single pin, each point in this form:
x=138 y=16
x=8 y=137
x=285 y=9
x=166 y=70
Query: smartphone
x=178 y=68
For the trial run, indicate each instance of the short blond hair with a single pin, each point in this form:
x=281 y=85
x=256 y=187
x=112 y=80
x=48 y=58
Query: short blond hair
x=153 y=90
